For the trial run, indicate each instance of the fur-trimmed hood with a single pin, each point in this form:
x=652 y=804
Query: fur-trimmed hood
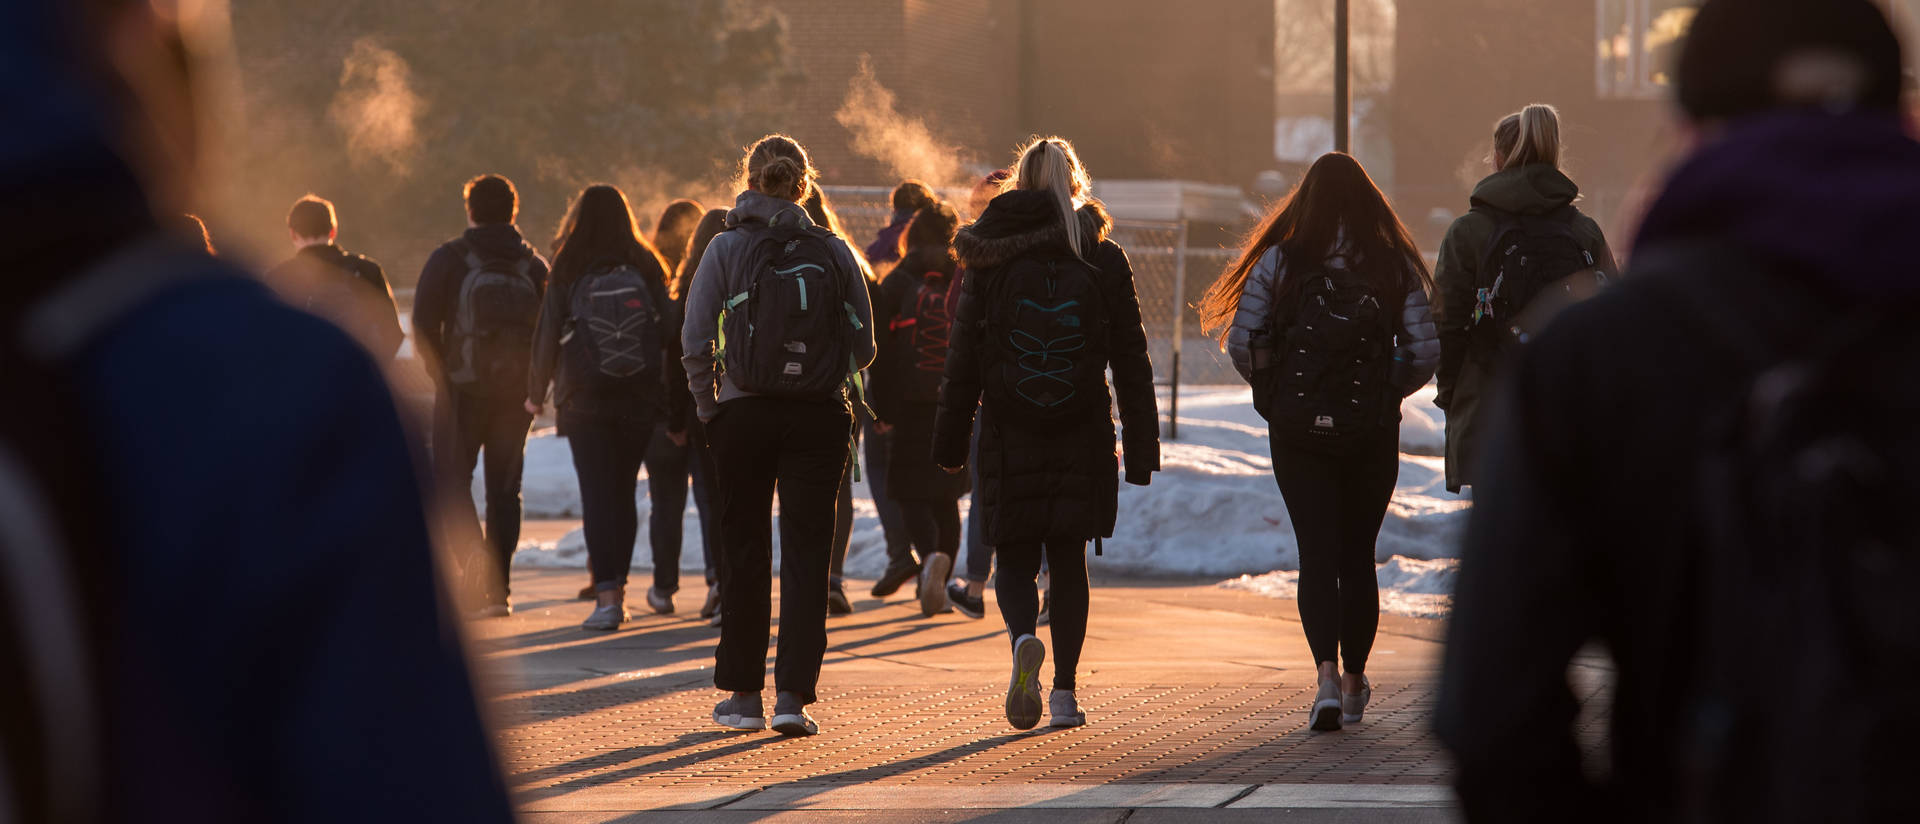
x=1020 y=220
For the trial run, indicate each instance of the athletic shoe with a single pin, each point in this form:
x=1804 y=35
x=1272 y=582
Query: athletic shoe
x=712 y=606
x=587 y=593
x=500 y=610
x=715 y=620
x=1065 y=709
x=1326 y=706
x=660 y=602
x=971 y=606
x=1023 y=689
x=741 y=713
x=891 y=580
x=933 y=585
x=1354 y=704
x=837 y=603
x=606 y=618
x=790 y=716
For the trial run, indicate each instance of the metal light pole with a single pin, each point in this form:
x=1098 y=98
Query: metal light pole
x=1342 y=93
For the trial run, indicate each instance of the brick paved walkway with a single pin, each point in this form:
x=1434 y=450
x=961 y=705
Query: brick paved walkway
x=1184 y=685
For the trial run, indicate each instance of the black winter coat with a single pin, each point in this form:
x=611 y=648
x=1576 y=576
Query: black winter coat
x=911 y=472
x=1033 y=485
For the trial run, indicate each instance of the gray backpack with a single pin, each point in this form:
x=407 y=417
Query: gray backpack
x=614 y=342
x=491 y=345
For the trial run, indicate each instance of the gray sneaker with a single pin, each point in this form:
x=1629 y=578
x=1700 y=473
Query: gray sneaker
x=1354 y=704
x=741 y=713
x=1065 y=709
x=790 y=716
x=606 y=618
x=1325 y=714
x=712 y=606
x=1023 y=688
x=660 y=602
x=933 y=585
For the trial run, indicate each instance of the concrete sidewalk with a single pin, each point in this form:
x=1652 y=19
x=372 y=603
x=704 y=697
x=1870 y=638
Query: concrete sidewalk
x=1196 y=700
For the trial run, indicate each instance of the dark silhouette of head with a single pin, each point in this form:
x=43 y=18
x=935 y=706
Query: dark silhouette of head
x=599 y=227
x=911 y=195
x=491 y=200
x=312 y=219
x=675 y=228
x=712 y=223
x=933 y=228
x=778 y=166
x=1745 y=57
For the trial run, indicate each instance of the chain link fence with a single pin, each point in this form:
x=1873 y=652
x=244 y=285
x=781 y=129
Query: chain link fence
x=1168 y=275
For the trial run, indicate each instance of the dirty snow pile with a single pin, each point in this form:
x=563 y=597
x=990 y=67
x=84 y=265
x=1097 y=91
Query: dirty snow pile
x=1212 y=511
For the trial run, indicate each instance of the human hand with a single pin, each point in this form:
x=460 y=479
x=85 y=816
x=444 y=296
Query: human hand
x=533 y=408
x=955 y=470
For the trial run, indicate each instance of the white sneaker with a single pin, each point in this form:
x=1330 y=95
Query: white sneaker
x=1326 y=706
x=1354 y=704
x=1065 y=709
x=1023 y=688
x=933 y=585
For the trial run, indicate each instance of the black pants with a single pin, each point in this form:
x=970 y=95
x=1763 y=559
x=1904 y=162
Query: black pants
x=668 y=468
x=934 y=525
x=1337 y=503
x=798 y=448
x=1016 y=585
x=607 y=453
x=466 y=427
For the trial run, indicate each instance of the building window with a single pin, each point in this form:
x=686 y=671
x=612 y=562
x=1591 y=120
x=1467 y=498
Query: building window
x=1637 y=42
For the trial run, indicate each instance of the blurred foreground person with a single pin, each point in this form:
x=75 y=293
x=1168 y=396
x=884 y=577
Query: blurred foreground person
x=1048 y=307
x=190 y=227
x=221 y=602
x=1709 y=469
x=348 y=289
x=1327 y=314
x=474 y=312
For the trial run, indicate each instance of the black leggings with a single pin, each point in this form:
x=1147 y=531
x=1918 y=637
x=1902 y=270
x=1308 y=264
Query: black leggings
x=1016 y=587
x=934 y=525
x=1337 y=503
x=607 y=454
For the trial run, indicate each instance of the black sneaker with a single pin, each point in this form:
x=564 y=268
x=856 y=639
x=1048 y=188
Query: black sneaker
x=837 y=603
x=895 y=576
x=967 y=605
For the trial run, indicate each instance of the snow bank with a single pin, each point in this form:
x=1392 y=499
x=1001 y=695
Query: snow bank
x=1415 y=588
x=1213 y=511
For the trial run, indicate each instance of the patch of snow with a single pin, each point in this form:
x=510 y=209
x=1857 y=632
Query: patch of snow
x=1410 y=587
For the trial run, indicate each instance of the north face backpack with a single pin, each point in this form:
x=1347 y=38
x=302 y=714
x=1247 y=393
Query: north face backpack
x=924 y=328
x=1046 y=326
x=788 y=334
x=491 y=345
x=614 y=339
x=1801 y=703
x=1331 y=387
x=1528 y=255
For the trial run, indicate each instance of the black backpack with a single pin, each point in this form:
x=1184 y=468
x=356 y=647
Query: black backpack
x=1047 y=327
x=1331 y=386
x=614 y=338
x=787 y=335
x=1809 y=648
x=1527 y=256
x=491 y=345
x=924 y=328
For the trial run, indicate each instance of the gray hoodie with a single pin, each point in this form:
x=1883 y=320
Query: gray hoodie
x=1418 y=346
x=722 y=274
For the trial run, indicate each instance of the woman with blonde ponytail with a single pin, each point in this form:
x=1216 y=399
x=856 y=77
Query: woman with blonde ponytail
x=778 y=324
x=1522 y=239
x=1046 y=307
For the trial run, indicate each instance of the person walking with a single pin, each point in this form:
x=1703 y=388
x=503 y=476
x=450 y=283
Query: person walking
x=605 y=342
x=778 y=323
x=1706 y=471
x=474 y=312
x=699 y=452
x=1048 y=308
x=1326 y=314
x=1523 y=242
x=915 y=327
x=348 y=290
x=889 y=244
x=820 y=208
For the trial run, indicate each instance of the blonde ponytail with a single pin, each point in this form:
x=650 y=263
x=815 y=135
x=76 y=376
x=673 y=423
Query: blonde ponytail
x=1050 y=164
x=1528 y=136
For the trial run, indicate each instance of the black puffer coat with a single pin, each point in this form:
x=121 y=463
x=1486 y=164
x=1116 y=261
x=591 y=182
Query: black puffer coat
x=1034 y=485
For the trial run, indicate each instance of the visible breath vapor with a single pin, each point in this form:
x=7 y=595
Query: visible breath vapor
x=905 y=144
x=376 y=107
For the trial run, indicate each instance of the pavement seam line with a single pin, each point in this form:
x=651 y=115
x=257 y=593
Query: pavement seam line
x=1243 y=793
x=738 y=798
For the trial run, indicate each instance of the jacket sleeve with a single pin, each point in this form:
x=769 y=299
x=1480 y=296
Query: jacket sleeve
x=960 y=386
x=1598 y=247
x=674 y=375
x=546 y=345
x=433 y=298
x=861 y=304
x=1254 y=316
x=885 y=247
x=1417 y=355
x=706 y=294
x=380 y=303
x=1132 y=371
x=1454 y=277
x=883 y=379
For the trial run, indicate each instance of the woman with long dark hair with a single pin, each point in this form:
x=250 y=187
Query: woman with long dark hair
x=777 y=321
x=1049 y=305
x=605 y=343
x=1326 y=313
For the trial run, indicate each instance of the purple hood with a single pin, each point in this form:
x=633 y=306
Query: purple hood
x=1834 y=194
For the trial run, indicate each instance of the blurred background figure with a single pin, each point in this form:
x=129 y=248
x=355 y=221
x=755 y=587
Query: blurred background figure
x=1708 y=468
x=220 y=592
x=890 y=243
x=348 y=289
